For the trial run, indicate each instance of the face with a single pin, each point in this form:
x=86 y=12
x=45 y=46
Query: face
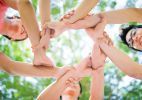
x=134 y=38
x=16 y=30
x=72 y=91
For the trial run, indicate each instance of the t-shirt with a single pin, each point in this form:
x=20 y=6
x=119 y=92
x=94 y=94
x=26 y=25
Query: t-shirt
x=3 y=8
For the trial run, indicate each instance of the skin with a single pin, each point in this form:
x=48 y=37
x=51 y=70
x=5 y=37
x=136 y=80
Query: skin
x=12 y=27
x=125 y=15
x=83 y=7
x=12 y=67
x=120 y=59
x=45 y=18
x=53 y=91
x=135 y=36
x=97 y=83
x=31 y=25
x=71 y=92
x=11 y=3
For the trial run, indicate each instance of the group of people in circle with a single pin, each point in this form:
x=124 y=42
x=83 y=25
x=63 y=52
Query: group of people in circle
x=67 y=85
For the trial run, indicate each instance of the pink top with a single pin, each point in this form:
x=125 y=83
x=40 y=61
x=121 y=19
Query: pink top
x=3 y=8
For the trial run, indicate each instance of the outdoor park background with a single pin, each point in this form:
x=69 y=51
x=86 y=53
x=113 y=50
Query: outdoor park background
x=70 y=48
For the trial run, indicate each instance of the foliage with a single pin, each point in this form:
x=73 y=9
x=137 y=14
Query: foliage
x=68 y=48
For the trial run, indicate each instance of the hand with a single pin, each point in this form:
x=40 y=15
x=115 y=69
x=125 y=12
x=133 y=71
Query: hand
x=84 y=68
x=105 y=39
x=67 y=16
x=60 y=71
x=45 y=38
x=57 y=28
x=97 y=31
x=88 y=21
x=98 y=57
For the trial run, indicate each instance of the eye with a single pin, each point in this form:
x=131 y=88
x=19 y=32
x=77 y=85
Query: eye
x=134 y=32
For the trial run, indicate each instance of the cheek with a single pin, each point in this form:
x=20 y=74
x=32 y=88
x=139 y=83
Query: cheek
x=140 y=32
x=137 y=46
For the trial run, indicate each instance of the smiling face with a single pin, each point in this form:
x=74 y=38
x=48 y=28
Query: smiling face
x=134 y=38
x=72 y=92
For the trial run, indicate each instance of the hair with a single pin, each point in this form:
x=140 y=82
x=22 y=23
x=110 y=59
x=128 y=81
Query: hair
x=80 y=91
x=124 y=32
x=9 y=38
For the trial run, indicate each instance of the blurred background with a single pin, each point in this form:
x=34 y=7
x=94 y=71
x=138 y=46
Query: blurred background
x=70 y=48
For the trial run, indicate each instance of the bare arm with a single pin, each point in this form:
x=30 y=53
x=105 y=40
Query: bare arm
x=44 y=7
x=29 y=21
x=120 y=16
x=54 y=91
x=123 y=15
x=82 y=10
x=122 y=61
x=97 y=85
x=26 y=69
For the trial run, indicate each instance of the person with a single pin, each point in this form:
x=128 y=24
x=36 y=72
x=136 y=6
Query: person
x=97 y=83
x=34 y=33
x=120 y=59
x=85 y=7
x=72 y=92
x=65 y=83
x=125 y=15
x=68 y=82
x=40 y=45
x=131 y=36
x=11 y=27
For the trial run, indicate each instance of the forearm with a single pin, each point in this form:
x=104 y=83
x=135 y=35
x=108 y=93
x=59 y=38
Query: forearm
x=54 y=91
x=29 y=21
x=25 y=69
x=97 y=85
x=122 y=61
x=123 y=15
x=44 y=7
x=84 y=7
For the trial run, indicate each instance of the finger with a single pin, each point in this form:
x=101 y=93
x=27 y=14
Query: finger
x=71 y=79
x=51 y=25
x=42 y=33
